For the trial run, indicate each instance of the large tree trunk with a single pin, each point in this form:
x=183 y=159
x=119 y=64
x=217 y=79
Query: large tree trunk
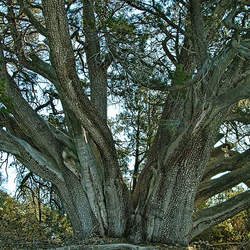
x=90 y=194
x=77 y=207
x=165 y=215
x=164 y=197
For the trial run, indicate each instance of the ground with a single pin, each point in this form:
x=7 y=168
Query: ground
x=116 y=244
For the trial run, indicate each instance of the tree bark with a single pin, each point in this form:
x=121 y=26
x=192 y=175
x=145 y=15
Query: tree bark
x=164 y=212
x=77 y=206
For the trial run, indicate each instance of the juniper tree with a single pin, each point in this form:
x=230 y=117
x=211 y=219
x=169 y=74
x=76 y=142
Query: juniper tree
x=61 y=61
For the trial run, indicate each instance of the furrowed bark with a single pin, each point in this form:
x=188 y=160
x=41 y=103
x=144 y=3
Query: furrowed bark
x=29 y=156
x=219 y=66
x=96 y=69
x=69 y=84
x=232 y=96
x=83 y=164
x=69 y=187
x=92 y=171
x=75 y=201
x=85 y=119
x=164 y=212
x=199 y=31
x=157 y=217
x=209 y=217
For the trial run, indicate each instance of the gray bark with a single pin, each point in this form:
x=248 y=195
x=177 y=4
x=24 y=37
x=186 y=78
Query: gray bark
x=96 y=67
x=163 y=210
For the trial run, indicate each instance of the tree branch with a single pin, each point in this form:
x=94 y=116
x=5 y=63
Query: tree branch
x=199 y=32
x=168 y=53
x=30 y=157
x=239 y=116
x=209 y=188
x=229 y=19
x=25 y=115
x=157 y=13
x=42 y=68
x=96 y=68
x=219 y=164
x=7 y=144
x=219 y=66
x=69 y=84
x=233 y=95
x=32 y=19
x=209 y=217
x=13 y=128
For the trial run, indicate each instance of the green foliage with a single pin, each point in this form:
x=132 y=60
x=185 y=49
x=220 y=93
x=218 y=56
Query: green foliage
x=134 y=128
x=6 y=103
x=235 y=229
x=179 y=76
x=171 y=125
x=20 y=221
x=121 y=25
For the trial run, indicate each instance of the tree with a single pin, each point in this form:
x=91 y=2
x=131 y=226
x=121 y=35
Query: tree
x=20 y=223
x=62 y=60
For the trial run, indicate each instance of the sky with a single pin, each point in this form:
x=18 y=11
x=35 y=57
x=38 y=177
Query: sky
x=9 y=184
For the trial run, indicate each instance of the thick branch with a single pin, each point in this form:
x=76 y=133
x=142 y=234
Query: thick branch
x=13 y=128
x=70 y=85
x=215 y=186
x=44 y=69
x=30 y=120
x=239 y=116
x=30 y=157
x=85 y=119
x=7 y=144
x=199 y=34
x=219 y=164
x=209 y=217
x=220 y=64
x=233 y=95
x=61 y=136
x=97 y=71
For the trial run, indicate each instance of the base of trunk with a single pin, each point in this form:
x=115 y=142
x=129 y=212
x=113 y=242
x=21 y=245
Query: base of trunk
x=124 y=246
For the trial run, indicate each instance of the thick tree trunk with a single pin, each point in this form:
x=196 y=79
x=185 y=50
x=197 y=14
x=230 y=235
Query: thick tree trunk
x=77 y=207
x=94 y=199
x=163 y=211
x=167 y=214
x=90 y=205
